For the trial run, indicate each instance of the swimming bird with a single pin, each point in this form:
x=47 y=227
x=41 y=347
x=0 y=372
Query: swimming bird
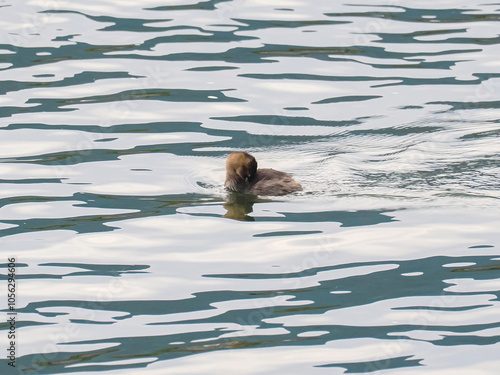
x=243 y=176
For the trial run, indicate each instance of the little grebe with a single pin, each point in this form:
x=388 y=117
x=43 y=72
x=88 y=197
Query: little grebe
x=243 y=176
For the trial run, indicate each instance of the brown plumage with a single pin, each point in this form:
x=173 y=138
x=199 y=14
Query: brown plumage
x=243 y=176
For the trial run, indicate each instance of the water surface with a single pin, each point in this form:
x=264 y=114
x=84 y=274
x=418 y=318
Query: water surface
x=116 y=121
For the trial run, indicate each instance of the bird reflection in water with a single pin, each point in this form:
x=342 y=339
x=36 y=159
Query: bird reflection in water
x=239 y=205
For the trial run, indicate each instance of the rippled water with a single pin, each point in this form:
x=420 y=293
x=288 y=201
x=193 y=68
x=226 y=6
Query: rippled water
x=116 y=120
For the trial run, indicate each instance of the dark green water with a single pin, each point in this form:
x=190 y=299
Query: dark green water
x=116 y=118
